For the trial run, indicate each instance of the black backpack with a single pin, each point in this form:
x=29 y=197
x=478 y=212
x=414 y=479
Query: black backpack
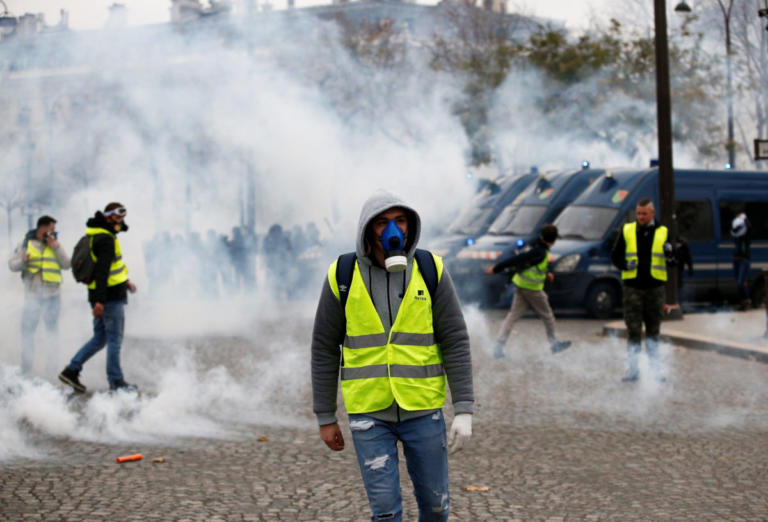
x=82 y=263
x=345 y=267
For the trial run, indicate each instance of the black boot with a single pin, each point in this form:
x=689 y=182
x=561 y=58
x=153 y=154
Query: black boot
x=72 y=378
x=122 y=385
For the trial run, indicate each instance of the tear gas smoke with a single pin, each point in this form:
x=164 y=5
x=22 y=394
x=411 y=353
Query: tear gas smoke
x=212 y=130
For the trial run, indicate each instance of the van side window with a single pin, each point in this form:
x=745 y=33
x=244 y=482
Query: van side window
x=694 y=220
x=757 y=212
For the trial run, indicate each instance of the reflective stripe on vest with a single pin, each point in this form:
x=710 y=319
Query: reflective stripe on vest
x=658 y=259
x=118 y=272
x=44 y=262
x=406 y=365
x=533 y=277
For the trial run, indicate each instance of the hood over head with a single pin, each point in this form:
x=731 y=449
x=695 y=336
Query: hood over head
x=380 y=201
x=99 y=221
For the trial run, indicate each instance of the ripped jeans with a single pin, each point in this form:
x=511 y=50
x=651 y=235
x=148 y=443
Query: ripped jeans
x=426 y=458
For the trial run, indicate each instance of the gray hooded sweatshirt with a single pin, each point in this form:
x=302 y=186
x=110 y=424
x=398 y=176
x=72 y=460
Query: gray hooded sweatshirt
x=386 y=290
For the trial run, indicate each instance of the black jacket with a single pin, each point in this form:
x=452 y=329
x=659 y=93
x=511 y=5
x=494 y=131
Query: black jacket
x=104 y=250
x=742 y=246
x=520 y=262
x=644 y=244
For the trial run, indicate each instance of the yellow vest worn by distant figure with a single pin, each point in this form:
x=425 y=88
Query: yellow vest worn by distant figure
x=44 y=262
x=658 y=259
x=118 y=272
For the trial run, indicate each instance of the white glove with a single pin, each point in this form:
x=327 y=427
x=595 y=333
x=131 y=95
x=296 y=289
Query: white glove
x=460 y=432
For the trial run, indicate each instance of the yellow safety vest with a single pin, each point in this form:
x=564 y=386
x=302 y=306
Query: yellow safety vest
x=406 y=365
x=658 y=259
x=533 y=277
x=44 y=262
x=118 y=272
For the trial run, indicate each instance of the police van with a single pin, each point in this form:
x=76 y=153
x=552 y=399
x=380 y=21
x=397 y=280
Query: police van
x=705 y=204
x=516 y=226
x=475 y=219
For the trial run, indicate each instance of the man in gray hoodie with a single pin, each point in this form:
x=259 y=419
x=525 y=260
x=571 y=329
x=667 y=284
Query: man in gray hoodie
x=395 y=342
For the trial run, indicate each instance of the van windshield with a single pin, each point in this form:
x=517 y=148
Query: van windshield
x=504 y=219
x=589 y=223
x=523 y=223
x=471 y=221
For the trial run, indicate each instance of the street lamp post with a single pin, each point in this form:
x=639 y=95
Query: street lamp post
x=666 y=174
x=731 y=145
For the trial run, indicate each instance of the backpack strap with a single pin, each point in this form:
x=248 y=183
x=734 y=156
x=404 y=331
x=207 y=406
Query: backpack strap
x=428 y=270
x=345 y=267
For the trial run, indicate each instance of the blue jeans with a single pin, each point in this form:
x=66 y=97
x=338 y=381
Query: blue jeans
x=107 y=330
x=34 y=307
x=741 y=273
x=426 y=457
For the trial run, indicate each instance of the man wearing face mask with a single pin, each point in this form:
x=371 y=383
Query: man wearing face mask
x=40 y=259
x=107 y=294
x=642 y=253
x=402 y=337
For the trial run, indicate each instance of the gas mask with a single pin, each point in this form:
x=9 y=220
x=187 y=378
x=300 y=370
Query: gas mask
x=393 y=241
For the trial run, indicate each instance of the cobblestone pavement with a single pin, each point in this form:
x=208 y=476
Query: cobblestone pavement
x=555 y=438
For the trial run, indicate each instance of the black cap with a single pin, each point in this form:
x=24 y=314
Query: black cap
x=548 y=233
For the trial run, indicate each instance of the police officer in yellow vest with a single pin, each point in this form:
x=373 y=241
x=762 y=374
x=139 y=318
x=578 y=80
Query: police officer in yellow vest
x=530 y=269
x=394 y=347
x=642 y=253
x=107 y=294
x=40 y=259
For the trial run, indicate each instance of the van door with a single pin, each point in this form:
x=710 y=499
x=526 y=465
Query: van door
x=696 y=226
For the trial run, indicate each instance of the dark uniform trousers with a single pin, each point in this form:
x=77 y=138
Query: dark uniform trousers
x=643 y=306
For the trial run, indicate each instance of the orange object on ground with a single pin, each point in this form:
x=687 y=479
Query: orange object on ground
x=129 y=458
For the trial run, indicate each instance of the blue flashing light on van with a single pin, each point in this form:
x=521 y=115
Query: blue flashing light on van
x=706 y=203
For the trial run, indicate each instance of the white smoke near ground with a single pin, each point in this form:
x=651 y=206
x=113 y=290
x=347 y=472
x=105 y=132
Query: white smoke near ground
x=182 y=128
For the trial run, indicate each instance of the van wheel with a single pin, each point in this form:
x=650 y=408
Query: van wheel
x=757 y=291
x=602 y=300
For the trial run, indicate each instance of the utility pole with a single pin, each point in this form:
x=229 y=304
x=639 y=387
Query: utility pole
x=666 y=173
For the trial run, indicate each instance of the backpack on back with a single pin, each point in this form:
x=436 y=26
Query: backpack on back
x=82 y=263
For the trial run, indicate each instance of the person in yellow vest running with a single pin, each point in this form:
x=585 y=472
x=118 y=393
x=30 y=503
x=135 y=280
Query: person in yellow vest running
x=40 y=259
x=641 y=253
x=394 y=346
x=530 y=268
x=107 y=294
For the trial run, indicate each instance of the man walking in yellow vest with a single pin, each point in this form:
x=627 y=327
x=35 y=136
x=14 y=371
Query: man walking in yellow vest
x=40 y=259
x=530 y=269
x=641 y=252
x=107 y=294
x=393 y=311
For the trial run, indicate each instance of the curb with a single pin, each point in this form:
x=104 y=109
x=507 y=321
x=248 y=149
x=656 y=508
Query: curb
x=697 y=342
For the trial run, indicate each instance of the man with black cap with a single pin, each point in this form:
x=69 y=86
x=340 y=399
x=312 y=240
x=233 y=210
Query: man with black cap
x=530 y=268
x=107 y=294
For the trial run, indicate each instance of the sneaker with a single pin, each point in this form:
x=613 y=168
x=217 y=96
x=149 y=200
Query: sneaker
x=559 y=346
x=498 y=352
x=121 y=385
x=630 y=376
x=72 y=378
